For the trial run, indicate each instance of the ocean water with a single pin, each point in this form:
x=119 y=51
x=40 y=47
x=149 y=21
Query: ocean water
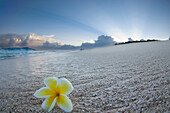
x=22 y=52
x=16 y=52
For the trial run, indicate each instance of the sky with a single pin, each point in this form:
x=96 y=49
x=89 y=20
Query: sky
x=77 y=21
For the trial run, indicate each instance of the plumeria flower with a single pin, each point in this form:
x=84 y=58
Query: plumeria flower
x=56 y=91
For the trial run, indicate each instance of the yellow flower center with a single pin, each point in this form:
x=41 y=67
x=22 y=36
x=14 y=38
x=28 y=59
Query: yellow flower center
x=58 y=94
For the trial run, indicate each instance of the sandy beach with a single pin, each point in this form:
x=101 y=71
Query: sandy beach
x=121 y=78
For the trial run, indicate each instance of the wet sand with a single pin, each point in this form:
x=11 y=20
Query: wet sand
x=130 y=78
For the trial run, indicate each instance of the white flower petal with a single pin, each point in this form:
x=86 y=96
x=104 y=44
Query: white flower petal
x=64 y=86
x=51 y=82
x=64 y=103
x=43 y=92
x=49 y=103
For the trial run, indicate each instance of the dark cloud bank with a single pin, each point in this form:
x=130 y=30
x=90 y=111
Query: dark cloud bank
x=100 y=42
x=44 y=42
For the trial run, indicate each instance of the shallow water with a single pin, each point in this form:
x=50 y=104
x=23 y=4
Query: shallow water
x=131 y=77
x=7 y=53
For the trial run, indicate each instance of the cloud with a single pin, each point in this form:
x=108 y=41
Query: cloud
x=47 y=42
x=102 y=41
x=11 y=40
x=32 y=41
x=48 y=36
x=56 y=45
x=23 y=40
x=130 y=40
x=48 y=45
x=87 y=45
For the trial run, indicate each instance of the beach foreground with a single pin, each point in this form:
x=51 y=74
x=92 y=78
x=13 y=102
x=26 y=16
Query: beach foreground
x=131 y=78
